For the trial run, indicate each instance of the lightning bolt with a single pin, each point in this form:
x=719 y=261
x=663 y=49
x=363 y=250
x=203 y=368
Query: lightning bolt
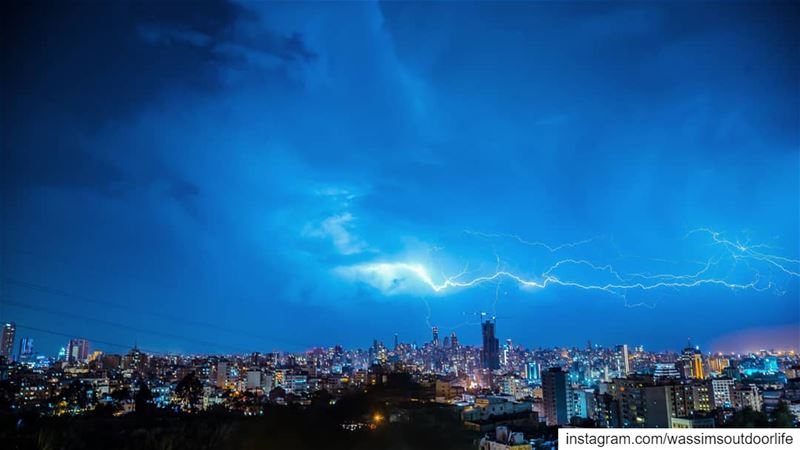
x=390 y=275
x=745 y=251
x=550 y=248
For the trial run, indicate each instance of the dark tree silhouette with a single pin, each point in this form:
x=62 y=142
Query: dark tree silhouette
x=143 y=398
x=748 y=418
x=120 y=395
x=581 y=422
x=8 y=391
x=189 y=390
x=782 y=417
x=79 y=394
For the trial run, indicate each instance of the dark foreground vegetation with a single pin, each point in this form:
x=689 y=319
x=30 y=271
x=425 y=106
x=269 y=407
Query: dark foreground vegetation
x=381 y=424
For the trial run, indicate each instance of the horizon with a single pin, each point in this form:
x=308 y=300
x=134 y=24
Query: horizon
x=104 y=346
x=241 y=175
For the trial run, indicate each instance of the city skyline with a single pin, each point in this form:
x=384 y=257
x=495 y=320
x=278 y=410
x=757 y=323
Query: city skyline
x=374 y=224
x=241 y=176
x=14 y=345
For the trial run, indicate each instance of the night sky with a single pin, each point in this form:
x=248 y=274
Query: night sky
x=232 y=177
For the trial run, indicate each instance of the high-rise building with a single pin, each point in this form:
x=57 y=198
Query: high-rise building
x=533 y=374
x=223 y=374
x=490 y=352
x=717 y=364
x=583 y=403
x=507 y=353
x=453 y=340
x=721 y=389
x=556 y=396
x=697 y=366
x=691 y=363
x=623 y=360
x=435 y=339
x=626 y=360
x=254 y=380
x=689 y=397
x=25 y=349
x=746 y=396
x=77 y=351
x=7 y=342
x=642 y=404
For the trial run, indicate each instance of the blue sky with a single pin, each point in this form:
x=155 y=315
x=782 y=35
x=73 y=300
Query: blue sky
x=256 y=176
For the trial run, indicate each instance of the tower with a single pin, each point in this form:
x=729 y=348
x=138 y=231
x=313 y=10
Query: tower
x=490 y=352
x=7 y=342
x=626 y=359
x=691 y=363
x=697 y=366
x=623 y=360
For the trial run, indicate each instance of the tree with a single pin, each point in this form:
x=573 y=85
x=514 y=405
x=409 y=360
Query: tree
x=189 y=390
x=782 y=417
x=79 y=394
x=8 y=391
x=143 y=397
x=120 y=395
x=581 y=422
x=748 y=418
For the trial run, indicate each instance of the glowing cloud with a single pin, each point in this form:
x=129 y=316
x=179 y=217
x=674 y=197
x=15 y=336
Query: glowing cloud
x=413 y=277
x=337 y=229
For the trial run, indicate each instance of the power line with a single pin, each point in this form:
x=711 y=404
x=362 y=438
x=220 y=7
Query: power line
x=10 y=302
x=48 y=258
x=128 y=309
x=72 y=336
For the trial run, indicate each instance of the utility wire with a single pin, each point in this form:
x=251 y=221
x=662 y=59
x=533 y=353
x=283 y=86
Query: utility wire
x=129 y=310
x=46 y=310
x=71 y=264
x=72 y=336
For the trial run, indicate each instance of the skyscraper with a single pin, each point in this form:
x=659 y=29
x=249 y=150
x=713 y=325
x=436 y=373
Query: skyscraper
x=556 y=396
x=623 y=360
x=25 y=349
x=435 y=339
x=7 y=342
x=697 y=366
x=626 y=359
x=77 y=351
x=691 y=362
x=507 y=349
x=490 y=352
x=533 y=372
